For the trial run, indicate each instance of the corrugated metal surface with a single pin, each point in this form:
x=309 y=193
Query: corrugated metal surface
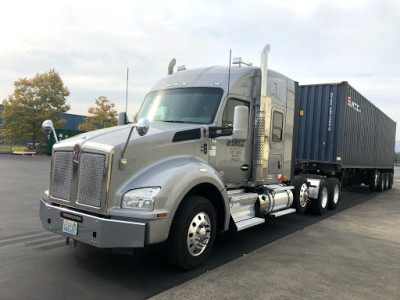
x=338 y=125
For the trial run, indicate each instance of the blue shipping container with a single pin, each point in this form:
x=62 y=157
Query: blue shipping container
x=337 y=125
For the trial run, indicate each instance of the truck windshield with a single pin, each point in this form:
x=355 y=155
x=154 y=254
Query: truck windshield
x=186 y=105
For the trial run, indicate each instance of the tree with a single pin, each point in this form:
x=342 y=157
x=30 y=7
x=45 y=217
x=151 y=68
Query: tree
x=104 y=115
x=33 y=101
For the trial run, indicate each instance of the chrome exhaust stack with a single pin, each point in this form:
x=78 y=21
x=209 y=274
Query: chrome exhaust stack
x=262 y=124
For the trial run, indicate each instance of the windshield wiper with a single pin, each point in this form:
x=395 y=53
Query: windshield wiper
x=188 y=122
x=174 y=121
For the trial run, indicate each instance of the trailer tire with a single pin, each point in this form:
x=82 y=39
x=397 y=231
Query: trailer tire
x=386 y=181
x=334 y=193
x=381 y=182
x=390 y=180
x=320 y=205
x=192 y=233
x=300 y=194
x=373 y=180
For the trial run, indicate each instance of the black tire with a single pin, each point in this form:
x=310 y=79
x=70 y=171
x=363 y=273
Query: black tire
x=320 y=205
x=183 y=250
x=390 y=180
x=373 y=180
x=300 y=194
x=381 y=182
x=334 y=193
x=385 y=181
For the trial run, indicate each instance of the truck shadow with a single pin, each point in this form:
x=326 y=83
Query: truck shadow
x=147 y=273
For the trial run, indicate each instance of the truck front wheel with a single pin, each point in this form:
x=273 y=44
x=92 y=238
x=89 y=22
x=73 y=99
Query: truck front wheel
x=192 y=233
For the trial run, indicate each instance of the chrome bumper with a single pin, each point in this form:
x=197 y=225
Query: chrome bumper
x=92 y=230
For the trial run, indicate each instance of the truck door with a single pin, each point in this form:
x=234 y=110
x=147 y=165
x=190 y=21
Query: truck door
x=275 y=161
x=232 y=158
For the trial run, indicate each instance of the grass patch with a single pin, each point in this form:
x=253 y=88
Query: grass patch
x=11 y=148
x=18 y=148
x=5 y=148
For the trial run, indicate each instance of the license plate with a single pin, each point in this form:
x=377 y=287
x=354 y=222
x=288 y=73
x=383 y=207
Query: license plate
x=70 y=227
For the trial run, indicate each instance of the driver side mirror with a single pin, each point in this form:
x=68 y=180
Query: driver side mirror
x=47 y=128
x=241 y=123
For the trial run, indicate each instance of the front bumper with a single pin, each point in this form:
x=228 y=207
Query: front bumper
x=92 y=230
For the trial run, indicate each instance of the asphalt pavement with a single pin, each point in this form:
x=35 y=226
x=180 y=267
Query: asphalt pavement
x=354 y=254
x=349 y=253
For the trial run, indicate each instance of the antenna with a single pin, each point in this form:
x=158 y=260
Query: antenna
x=229 y=73
x=126 y=103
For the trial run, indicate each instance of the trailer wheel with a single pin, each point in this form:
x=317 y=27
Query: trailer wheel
x=386 y=181
x=390 y=180
x=373 y=180
x=300 y=195
x=192 y=233
x=320 y=205
x=381 y=182
x=334 y=193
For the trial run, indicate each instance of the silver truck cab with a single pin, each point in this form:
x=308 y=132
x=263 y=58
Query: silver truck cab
x=211 y=150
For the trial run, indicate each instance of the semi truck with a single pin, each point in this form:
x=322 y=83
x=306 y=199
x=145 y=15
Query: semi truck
x=213 y=149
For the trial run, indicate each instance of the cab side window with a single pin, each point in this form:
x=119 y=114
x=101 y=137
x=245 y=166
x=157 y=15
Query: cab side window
x=227 y=116
x=277 y=126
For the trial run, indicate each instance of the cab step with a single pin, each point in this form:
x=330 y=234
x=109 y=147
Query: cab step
x=282 y=212
x=242 y=209
x=249 y=223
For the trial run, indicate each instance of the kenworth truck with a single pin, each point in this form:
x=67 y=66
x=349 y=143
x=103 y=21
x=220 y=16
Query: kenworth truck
x=214 y=148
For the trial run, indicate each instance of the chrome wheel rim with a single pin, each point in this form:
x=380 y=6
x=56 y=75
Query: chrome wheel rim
x=376 y=179
x=199 y=234
x=303 y=195
x=336 y=194
x=324 y=197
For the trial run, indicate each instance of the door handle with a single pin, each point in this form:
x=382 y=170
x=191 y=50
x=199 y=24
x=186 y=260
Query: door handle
x=244 y=167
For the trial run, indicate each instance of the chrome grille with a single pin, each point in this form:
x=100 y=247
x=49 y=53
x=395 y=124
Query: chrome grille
x=62 y=175
x=91 y=179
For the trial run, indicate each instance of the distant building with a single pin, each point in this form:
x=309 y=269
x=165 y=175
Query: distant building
x=72 y=123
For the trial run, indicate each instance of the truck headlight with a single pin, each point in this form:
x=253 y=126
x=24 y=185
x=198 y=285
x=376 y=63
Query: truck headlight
x=143 y=199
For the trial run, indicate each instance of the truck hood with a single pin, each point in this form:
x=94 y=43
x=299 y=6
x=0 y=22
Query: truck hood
x=117 y=136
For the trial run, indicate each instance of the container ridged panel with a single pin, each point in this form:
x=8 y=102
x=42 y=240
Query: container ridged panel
x=368 y=136
x=318 y=123
x=91 y=176
x=62 y=175
x=338 y=125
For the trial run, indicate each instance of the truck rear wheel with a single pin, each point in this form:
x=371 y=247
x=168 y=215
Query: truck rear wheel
x=334 y=192
x=390 y=180
x=300 y=194
x=192 y=233
x=373 y=180
x=320 y=205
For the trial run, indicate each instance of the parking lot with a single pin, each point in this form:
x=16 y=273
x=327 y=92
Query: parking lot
x=350 y=253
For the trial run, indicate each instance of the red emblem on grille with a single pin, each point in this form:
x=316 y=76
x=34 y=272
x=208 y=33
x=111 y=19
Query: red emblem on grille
x=77 y=152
